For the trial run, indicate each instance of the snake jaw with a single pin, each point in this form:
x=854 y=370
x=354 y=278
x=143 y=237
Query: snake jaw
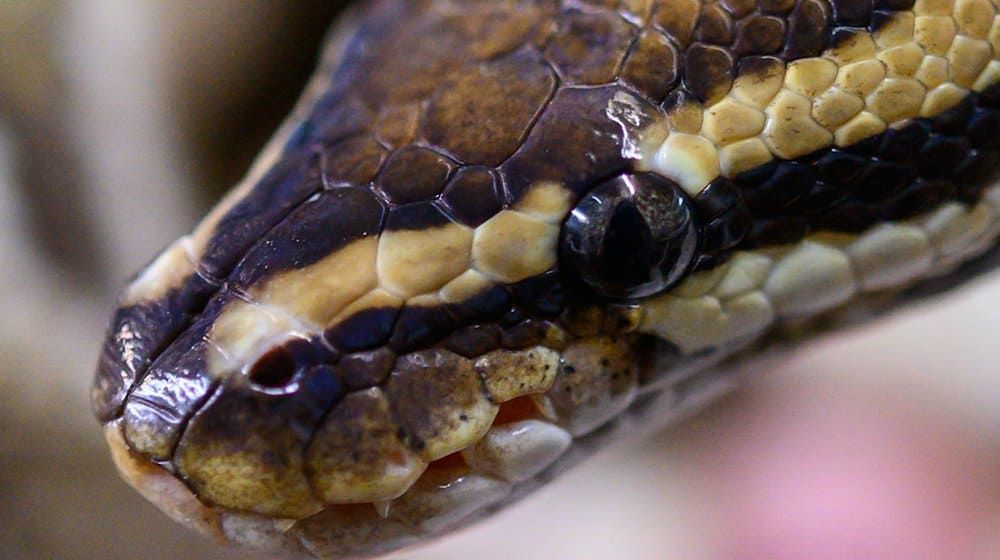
x=379 y=492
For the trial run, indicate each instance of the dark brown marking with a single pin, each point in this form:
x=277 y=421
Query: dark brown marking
x=708 y=72
x=542 y=295
x=488 y=305
x=892 y=176
x=719 y=197
x=983 y=129
x=473 y=195
x=335 y=116
x=397 y=124
x=588 y=47
x=919 y=197
x=534 y=332
x=474 y=341
x=414 y=174
x=418 y=327
x=807 y=30
x=136 y=335
x=738 y=8
x=362 y=370
x=651 y=65
x=678 y=19
x=410 y=67
x=481 y=116
x=364 y=330
x=583 y=320
x=846 y=36
x=173 y=388
x=276 y=195
x=715 y=26
x=425 y=390
x=855 y=13
x=894 y=5
x=726 y=232
x=781 y=188
x=574 y=142
x=760 y=68
x=315 y=230
x=776 y=7
x=352 y=162
x=416 y=216
x=241 y=428
x=760 y=35
x=777 y=231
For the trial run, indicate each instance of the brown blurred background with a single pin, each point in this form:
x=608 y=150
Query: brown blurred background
x=121 y=122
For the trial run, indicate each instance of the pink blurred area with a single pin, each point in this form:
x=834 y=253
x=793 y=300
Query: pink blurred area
x=847 y=475
x=880 y=443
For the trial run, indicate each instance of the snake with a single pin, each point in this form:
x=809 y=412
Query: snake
x=493 y=233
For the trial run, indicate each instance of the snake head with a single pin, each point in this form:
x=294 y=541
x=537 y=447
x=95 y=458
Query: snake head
x=469 y=257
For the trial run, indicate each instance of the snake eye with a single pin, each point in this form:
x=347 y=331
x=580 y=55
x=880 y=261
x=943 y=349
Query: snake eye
x=630 y=237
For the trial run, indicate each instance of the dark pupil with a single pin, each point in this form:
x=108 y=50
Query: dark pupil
x=630 y=237
x=627 y=252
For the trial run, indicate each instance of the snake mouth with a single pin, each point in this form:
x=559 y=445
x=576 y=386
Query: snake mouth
x=381 y=476
x=444 y=493
x=378 y=480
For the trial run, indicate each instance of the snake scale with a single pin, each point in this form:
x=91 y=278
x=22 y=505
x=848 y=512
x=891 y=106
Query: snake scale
x=491 y=230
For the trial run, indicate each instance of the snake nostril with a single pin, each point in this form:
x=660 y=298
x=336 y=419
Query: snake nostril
x=282 y=368
x=274 y=369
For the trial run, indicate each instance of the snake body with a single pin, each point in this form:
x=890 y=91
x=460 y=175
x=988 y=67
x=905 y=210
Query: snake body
x=490 y=228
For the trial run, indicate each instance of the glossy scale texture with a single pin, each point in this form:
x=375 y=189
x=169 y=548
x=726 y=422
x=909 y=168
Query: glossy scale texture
x=373 y=339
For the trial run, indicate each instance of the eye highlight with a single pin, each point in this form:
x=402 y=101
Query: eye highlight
x=630 y=237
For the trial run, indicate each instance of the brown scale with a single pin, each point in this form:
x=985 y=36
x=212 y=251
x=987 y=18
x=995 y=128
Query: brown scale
x=480 y=117
x=587 y=48
x=413 y=174
x=398 y=125
x=362 y=370
x=652 y=65
x=260 y=439
x=532 y=332
x=353 y=162
x=473 y=195
x=434 y=394
x=356 y=451
x=474 y=340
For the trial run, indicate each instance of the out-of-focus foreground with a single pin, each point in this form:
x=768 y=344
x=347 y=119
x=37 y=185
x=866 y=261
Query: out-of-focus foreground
x=120 y=122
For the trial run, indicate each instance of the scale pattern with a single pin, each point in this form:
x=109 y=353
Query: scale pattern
x=370 y=340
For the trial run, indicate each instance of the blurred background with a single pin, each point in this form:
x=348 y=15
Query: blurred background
x=121 y=122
